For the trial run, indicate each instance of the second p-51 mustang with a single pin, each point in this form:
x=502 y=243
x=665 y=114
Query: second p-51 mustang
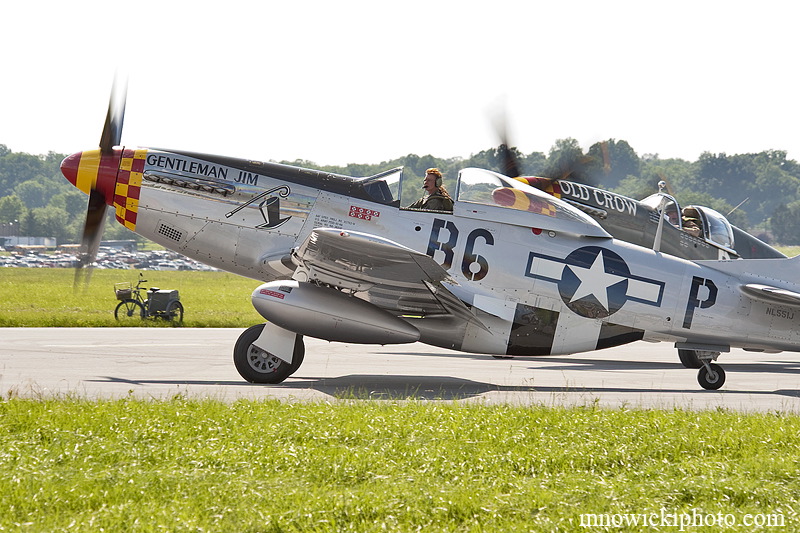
x=510 y=271
x=691 y=232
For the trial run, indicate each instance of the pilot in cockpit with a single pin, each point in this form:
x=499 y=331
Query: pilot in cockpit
x=436 y=197
x=672 y=216
x=691 y=221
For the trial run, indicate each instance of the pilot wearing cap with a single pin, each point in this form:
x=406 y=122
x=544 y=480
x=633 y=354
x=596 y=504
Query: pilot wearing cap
x=436 y=197
x=691 y=221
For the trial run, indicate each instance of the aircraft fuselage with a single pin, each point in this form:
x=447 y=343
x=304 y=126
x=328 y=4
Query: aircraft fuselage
x=537 y=290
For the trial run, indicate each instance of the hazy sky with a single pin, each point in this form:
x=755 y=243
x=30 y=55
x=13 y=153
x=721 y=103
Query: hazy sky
x=339 y=82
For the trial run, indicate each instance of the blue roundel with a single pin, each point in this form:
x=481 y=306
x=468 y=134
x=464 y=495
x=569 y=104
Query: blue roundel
x=594 y=283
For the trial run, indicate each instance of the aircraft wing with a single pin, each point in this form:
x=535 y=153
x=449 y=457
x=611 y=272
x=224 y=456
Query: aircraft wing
x=389 y=275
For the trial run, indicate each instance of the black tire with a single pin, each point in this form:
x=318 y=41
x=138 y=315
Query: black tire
x=713 y=380
x=258 y=366
x=174 y=311
x=298 y=355
x=129 y=311
x=689 y=359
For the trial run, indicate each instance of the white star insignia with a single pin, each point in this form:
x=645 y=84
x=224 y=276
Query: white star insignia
x=595 y=281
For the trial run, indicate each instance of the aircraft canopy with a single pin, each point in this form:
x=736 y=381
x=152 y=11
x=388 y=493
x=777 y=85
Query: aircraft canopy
x=479 y=186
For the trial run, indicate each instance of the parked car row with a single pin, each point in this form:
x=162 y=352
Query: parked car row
x=107 y=258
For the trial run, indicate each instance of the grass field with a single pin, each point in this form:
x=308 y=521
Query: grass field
x=188 y=464
x=789 y=251
x=184 y=465
x=44 y=297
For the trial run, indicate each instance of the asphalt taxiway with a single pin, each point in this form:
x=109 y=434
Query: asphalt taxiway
x=197 y=363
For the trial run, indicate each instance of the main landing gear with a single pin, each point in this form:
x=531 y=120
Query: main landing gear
x=257 y=366
x=711 y=376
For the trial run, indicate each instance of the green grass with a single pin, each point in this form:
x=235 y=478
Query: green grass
x=187 y=465
x=789 y=251
x=70 y=464
x=44 y=297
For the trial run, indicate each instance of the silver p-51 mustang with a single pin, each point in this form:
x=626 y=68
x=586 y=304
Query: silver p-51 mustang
x=510 y=271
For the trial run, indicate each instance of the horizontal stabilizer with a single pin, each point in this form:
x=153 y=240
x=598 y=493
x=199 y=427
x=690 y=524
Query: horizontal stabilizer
x=772 y=294
x=783 y=269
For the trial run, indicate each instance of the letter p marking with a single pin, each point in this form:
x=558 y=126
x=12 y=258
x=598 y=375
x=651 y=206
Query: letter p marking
x=694 y=300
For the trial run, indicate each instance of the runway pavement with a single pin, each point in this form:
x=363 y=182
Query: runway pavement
x=197 y=363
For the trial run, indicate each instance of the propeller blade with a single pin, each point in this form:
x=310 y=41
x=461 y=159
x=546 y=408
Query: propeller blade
x=574 y=168
x=98 y=204
x=509 y=163
x=112 y=130
x=92 y=235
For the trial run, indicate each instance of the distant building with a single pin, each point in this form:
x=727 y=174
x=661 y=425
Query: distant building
x=120 y=246
x=125 y=245
x=21 y=242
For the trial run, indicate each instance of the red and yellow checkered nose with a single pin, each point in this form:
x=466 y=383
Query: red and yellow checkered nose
x=117 y=176
x=93 y=170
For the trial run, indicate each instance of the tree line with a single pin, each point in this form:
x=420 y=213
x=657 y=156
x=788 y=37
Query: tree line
x=759 y=192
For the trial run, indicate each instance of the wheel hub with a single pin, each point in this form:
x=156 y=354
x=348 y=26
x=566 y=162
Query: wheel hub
x=262 y=361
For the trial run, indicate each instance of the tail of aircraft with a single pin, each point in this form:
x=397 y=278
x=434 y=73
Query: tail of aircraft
x=779 y=268
x=749 y=247
x=781 y=287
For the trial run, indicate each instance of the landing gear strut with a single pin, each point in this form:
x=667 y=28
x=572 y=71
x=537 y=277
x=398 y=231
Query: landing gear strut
x=711 y=376
x=258 y=366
